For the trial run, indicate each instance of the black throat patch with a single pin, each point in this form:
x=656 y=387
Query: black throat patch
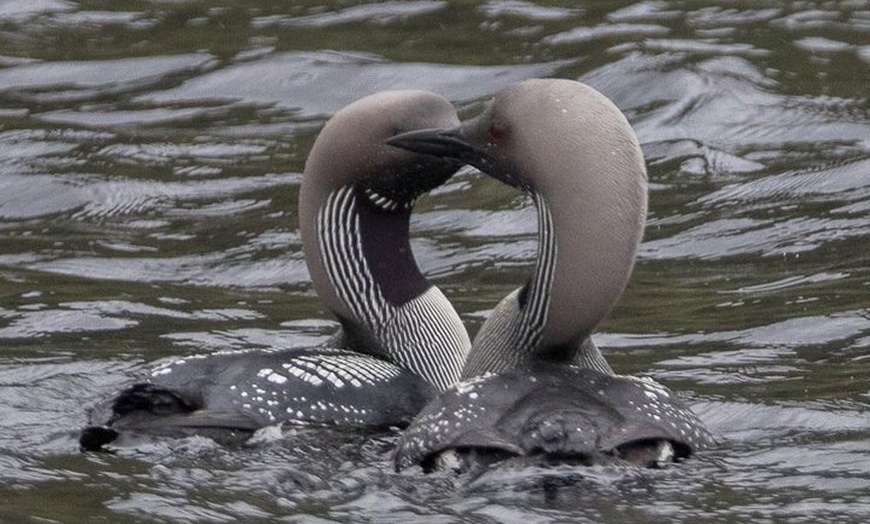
x=387 y=249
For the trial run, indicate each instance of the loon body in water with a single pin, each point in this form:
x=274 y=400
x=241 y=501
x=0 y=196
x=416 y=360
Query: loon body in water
x=400 y=343
x=535 y=385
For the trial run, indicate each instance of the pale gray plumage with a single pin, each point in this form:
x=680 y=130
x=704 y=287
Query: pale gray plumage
x=401 y=341
x=574 y=153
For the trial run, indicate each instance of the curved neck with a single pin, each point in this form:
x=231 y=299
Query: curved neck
x=515 y=333
x=512 y=334
x=367 y=274
x=535 y=296
x=366 y=259
x=576 y=154
x=596 y=244
x=386 y=247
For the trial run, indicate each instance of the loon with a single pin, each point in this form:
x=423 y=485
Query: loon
x=400 y=342
x=535 y=385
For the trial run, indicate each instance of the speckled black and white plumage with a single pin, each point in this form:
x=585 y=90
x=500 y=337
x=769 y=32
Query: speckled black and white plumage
x=552 y=411
x=227 y=396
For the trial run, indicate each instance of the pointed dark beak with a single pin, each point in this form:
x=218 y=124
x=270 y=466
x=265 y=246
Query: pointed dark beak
x=436 y=142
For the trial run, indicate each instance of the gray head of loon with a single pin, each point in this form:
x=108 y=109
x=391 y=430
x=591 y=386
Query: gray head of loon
x=354 y=211
x=575 y=154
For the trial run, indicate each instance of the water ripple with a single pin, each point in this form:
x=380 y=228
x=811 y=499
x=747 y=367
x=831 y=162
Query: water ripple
x=379 y=13
x=306 y=83
x=846 y=181
x=202 y=270
x=741 y=236
x=583 y=34
x=724 y=102
x=23 y=10
x=118 y=197
x=526 y=10
x=85 y=80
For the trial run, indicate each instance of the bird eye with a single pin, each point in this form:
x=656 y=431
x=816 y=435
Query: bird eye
x=496 y=132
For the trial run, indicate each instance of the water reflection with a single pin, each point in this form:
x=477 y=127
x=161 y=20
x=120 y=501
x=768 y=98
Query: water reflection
x=149 y=169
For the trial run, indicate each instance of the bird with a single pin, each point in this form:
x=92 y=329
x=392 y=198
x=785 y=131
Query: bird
x=535 y=385
x=400 y=341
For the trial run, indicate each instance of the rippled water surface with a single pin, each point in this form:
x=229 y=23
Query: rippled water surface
x=150 y=160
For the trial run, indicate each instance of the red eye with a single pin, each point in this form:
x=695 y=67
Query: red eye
x=496 y=132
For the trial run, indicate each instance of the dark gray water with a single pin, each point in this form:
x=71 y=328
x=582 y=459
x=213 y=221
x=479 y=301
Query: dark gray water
x=150 y=160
